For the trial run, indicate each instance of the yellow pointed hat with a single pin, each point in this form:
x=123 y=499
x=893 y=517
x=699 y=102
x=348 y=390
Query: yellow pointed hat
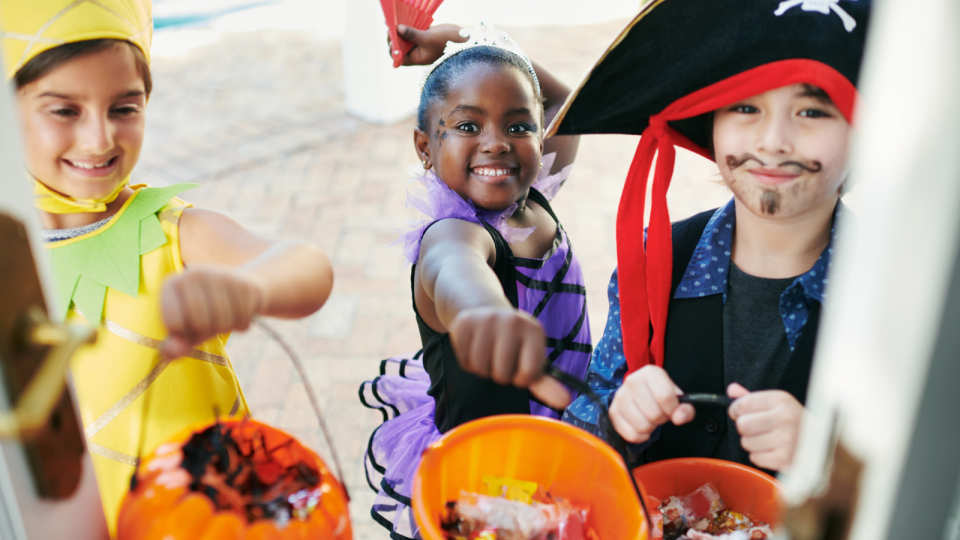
x=29 y=27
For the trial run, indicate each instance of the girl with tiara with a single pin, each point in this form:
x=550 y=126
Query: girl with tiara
x=164 y=282
x=497 y=291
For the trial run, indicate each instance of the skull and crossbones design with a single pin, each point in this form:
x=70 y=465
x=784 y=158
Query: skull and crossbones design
x=822 y=6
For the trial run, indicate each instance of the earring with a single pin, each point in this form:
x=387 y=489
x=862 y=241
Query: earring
x=541 y=165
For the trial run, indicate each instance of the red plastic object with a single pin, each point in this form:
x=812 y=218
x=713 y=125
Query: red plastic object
x=744 y=489
x=566 y=460
x=414 y=13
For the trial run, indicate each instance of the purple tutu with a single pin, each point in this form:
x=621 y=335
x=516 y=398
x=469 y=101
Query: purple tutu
x=393 y=453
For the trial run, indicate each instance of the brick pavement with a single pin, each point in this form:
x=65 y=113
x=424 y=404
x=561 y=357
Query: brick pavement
x=258 y=120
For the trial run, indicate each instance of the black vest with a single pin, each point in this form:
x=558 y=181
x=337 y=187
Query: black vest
x=694 y=356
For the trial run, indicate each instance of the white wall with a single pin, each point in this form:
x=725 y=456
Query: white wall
x=374 y=91
x=377 y=93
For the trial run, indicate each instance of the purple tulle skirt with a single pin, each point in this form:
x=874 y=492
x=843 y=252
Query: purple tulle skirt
x=393 y=453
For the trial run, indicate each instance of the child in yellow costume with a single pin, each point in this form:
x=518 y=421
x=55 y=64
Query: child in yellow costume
x=164 y=282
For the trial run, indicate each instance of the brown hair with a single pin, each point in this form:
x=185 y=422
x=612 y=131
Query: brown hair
x=51 y=59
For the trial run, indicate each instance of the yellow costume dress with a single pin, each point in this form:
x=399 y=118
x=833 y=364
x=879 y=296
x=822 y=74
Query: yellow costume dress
x=126 y=392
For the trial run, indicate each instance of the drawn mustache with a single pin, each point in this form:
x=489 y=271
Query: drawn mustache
x=735 y=162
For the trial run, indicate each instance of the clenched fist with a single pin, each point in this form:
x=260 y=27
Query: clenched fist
x=647 y=399
x=769 y=425
x=508 y=346
x=206 y=301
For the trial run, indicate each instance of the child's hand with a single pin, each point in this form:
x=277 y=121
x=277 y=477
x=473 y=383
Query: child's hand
x=508 y=346
x=646 y=400
x=203 y=302
x=769 y=425
x=428 y=44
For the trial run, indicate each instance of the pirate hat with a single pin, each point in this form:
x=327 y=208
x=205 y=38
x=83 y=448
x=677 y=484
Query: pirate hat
x=676 y=61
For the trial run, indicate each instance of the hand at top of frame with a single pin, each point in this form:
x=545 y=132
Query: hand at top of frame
x=428 y=44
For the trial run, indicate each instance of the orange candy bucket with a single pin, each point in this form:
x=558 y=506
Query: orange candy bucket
x=564 y=459
x=744 y=489
x=162 y=506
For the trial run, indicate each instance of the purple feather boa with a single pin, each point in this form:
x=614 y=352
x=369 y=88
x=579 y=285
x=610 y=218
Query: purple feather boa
x=441 y=202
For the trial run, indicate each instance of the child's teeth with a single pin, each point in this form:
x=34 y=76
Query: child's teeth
x=493 y=172
x=90 y=166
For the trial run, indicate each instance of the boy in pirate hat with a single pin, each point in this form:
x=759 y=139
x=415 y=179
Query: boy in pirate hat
x=727 y=301
x=165 y=283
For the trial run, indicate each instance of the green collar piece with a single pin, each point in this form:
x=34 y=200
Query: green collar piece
x=83 y=270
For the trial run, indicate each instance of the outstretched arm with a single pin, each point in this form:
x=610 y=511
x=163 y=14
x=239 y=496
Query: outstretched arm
x=490 y=337
x=428 y=47
x=232 y=275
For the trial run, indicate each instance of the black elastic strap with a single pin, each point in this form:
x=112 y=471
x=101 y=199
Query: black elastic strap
x=606 y=427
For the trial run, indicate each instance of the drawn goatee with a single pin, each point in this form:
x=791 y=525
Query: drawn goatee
x=770 y=202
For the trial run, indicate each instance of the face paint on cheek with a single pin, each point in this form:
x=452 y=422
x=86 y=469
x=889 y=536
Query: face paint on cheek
x=440 y=136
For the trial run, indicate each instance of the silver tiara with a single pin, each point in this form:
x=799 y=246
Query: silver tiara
x=483 y=35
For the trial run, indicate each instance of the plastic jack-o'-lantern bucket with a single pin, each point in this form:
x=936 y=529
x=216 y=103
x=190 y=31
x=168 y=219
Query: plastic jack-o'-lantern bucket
x=744 y=489
x=564 y=459
x=260 y=485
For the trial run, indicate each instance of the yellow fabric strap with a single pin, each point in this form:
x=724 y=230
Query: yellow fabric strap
x=49 y=200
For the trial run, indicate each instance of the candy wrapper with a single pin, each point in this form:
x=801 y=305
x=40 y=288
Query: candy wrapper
x=697 y=535
x=701 y=508
x=656 y=526
x=729 y=521
x=671 y=511
x=510 y=489
x=483 y=517
x=761 y=532
x=702 y=515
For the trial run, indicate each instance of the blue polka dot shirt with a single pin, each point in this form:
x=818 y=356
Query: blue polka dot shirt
x=706 y=275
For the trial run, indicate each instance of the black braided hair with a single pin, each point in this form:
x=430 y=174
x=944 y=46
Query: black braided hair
x=436 y=86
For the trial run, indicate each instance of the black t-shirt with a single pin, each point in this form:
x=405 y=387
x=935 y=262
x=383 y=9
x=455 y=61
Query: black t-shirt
x=755 y=346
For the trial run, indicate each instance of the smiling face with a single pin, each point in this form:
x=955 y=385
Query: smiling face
x=484 y=140
x=83 y=123
x=783 y=152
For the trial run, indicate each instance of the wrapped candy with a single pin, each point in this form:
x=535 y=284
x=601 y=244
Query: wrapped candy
x=702 y=515
x=701 y=508
x=735 y=535
x=482 y=517
x=510 y=489
x=656 y=525
x=760 y=532
x=671 y=511
x=729 y=521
